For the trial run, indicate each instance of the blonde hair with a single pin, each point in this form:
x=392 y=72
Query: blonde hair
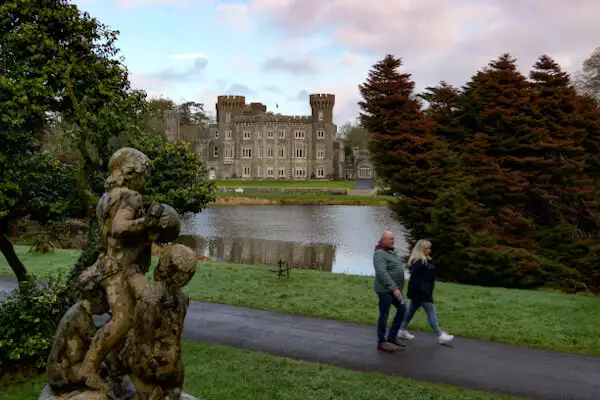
x=418 y=252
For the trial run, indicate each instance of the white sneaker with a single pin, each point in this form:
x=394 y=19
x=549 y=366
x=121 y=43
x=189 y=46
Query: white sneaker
x=405 y=335
x=445 y=338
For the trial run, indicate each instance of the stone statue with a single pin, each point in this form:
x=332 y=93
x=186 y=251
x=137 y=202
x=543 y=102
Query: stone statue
x=79 y=366
x=151 y=355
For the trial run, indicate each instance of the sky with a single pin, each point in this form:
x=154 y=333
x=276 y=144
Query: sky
x=278 y=51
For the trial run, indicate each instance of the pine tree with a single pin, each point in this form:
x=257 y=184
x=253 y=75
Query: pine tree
x=500 y=149
x=443 y=101
x=569 y=212
x=412 y=161
x=563 y=191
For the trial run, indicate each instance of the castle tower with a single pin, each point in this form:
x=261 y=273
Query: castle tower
x=228 y=107
x=173 y=121
x=322 y=107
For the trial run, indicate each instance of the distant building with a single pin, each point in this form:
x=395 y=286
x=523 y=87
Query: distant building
x=359 y=164
x=247 y=142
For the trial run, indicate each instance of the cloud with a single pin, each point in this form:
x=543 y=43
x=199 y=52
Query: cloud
x=297 y=67
x=239 y=90
x=449 y=39
x=302 y=95
x=272 y=89
x=192 y=72
x=187 y=56
x=235 y=16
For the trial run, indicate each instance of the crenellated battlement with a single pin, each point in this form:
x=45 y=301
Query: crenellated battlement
x=322 y=100
x=231 y=101
x=274 y=119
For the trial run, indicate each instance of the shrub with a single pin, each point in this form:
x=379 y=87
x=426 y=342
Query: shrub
x=29 y=317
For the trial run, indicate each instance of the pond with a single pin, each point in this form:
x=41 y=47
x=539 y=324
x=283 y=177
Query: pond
x=337 y=239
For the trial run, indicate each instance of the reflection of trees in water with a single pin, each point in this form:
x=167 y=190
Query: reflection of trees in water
x=319 y=256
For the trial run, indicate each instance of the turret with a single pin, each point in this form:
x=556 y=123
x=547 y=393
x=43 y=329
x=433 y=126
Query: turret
x=229 y=106
x=322 y=107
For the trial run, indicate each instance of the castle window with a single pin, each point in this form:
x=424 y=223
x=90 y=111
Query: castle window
x=260 y=134
x=281 y=172
x=300 y=152
x=246 y=152
x=300 y=172
x=282 y=134
x=215 y=151
x=299 y=134
x=320 y=134
x=281 y=152
x=246 y=135
x=228 y=152
x=261 y=153
x=270 y=152
x=320 y=172
x=270 y=134
x=228 y=117
x=246 y=172
x=320 y=153
x=320 y=115
x=216 y=134
x=228 y=134
x=269 y=171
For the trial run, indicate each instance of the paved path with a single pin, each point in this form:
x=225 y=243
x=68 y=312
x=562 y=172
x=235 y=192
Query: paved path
x=470 y=363
x=364 y=184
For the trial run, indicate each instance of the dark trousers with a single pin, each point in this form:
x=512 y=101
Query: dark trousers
x=386 y=300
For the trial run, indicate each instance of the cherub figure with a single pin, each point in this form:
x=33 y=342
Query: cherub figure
x=73 y=337
x=125 y=254
x=151 y=354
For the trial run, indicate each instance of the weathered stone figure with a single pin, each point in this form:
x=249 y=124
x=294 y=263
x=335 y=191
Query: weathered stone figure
x=125 y=252
x=73 y=337
x=152 y=352
x=78 y=366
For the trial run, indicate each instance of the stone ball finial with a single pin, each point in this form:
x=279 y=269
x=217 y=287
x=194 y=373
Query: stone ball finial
x=169 y=225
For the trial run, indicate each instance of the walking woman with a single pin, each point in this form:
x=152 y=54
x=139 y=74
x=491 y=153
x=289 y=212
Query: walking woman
x=420 y=291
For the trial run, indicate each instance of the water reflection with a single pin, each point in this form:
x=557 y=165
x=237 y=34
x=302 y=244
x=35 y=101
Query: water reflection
x=239 y=250
x=331 y=238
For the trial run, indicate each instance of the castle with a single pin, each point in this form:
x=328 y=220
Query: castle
x=247 y=142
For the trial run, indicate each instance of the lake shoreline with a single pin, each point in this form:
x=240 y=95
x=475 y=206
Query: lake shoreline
x=298 y=200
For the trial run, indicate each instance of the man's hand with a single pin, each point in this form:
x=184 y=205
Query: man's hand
x=397 y=293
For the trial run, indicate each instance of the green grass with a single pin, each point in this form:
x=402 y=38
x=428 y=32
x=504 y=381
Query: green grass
x=223 y=373
x=539 y=319
x=290 y=184
x=320 y=199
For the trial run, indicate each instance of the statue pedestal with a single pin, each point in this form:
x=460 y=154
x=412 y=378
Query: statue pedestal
x=47 y=394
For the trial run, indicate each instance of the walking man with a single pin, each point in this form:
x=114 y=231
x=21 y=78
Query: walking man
x=389 y=285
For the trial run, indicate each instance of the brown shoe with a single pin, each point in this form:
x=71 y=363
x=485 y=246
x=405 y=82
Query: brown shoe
x=397 y=342
x=385 y=348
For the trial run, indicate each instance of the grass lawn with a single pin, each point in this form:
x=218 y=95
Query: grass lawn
x=539 y=319
x=223 y=373
x=290 y=183
x=319 y=199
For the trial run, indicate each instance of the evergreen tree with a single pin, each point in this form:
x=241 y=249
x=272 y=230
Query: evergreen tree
x=443 y=101
x=407 y=157
x=568 y=213
x=500 y=149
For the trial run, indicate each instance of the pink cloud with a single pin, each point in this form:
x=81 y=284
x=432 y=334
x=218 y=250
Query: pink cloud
x=444 y=39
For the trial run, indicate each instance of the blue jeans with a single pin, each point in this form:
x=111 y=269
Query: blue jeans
x=386 y=300
x=429 y=310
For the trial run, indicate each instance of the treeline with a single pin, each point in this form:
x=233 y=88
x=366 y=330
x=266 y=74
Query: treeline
x=501 y=174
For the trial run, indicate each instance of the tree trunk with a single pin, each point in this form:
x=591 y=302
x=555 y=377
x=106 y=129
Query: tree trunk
x=12 y=258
